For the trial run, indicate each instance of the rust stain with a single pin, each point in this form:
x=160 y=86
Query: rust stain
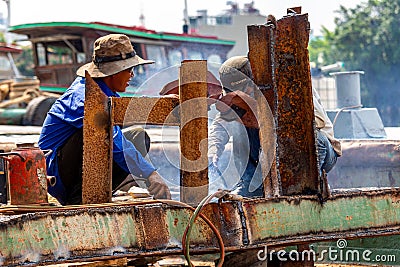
x=100 y=119
x=273 y=211
x=154 y=226
x=295 y=113
x=96 y=178
x=151 y=110
x=193 y=132
x=396 y=200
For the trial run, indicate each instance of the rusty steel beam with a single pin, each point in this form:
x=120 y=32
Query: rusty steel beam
x=297 y=152
x=97 y=153
x=155 y=229
x=193 y=131
x=145 y=110
x=261 y=51
x=191 y=116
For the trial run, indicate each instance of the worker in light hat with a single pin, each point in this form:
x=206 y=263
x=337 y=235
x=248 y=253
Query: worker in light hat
x=237 y=105
x=236 y=118
x=112 y=68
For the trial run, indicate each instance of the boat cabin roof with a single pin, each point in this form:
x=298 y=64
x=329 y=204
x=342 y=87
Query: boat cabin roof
x=71 y=29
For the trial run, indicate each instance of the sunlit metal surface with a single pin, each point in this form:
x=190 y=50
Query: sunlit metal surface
x=157 y=229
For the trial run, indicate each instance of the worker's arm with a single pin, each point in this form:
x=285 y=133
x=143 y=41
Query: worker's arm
x=128 y=157
x=157 y=187
x=218 y=137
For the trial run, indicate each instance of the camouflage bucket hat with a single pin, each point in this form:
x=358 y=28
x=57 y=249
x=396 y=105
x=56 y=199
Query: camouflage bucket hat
x=111 y=54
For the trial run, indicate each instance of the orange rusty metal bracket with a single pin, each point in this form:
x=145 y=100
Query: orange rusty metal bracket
x=189 y=112
x=261 y=50
x=193 y=131
x=296 y=144
x=279 y=58
x=144 y=110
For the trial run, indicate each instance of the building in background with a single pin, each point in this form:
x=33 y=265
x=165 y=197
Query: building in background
x=60 y=48
x=231 y=24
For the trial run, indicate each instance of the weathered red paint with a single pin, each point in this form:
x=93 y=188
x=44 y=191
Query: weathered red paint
x=27 y=176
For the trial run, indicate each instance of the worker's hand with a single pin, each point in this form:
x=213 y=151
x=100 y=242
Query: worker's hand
x=171 y=95
x=213 y=160
x=157 y=187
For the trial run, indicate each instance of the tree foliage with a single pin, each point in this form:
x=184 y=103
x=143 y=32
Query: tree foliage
x=366 y=38
x=321 y=48
x=24 y=62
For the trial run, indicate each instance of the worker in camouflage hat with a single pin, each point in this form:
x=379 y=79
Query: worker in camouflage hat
x=111 y=68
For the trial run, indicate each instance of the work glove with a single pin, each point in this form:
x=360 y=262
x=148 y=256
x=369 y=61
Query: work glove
x=214 y=173
x=157 y=187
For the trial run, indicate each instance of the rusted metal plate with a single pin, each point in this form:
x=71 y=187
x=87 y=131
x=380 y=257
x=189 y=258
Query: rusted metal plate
x=152 y=224
x=141 y=230
x=295 y=122
x=350 y=214
x=261 y=51
x=145 y=110
x=230 y=222
x=261 y=40
x=193 y=131
x=97 y=156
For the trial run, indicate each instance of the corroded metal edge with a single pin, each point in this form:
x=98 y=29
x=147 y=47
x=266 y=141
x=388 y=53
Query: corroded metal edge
x=261 y=40
x=193 y=131
x=297 y=165
x=156 y=229
x=145 y=110
x=97 y=155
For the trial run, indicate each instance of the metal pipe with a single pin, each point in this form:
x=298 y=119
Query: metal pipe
x=12 y=116
x=185 y=19
x=348 y=88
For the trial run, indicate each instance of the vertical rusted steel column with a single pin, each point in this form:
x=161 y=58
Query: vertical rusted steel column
x=193 y=132
x=97 y=156
x=295 y=121
x=261 y=51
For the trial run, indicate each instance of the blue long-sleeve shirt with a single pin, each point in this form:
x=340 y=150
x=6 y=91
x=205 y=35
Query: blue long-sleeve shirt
x=65 y=117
